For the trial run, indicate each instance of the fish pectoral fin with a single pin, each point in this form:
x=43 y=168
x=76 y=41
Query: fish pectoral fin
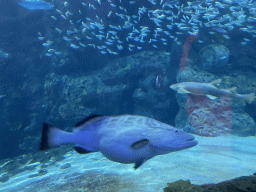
x=139 y=163
x=183 y=91
x=140 y=144
x=82 y=150
x=211 y=97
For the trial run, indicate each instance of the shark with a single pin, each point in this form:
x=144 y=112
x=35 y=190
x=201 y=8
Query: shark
x=125 y=139
x=210 y=90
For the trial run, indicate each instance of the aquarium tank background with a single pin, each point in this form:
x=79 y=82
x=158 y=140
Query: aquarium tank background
x=188 y=64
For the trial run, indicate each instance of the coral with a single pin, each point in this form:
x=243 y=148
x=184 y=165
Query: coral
x=209 y=117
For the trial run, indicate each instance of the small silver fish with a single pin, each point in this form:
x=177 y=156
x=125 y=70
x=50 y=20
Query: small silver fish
x=123 y=139
x=4 y=54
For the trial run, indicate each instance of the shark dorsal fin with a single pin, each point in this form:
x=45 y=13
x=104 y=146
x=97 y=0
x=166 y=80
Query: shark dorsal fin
x=86 y=120
x=232 y=90
x=215 y=82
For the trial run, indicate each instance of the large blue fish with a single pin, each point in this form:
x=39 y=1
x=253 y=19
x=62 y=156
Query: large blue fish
x=36 y=5
x=123 y=139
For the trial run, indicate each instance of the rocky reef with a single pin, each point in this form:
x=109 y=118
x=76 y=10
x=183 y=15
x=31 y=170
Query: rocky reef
x=135 y=84
x=245 y=184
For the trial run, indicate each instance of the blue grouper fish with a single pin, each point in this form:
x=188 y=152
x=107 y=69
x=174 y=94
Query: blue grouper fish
x=123 y=139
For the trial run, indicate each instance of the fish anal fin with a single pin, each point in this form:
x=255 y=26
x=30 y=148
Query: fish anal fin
x=140 y=144
x=183 y=91
x=87 y=119
x=211 y=97
x=139 y=163
x=82 y=150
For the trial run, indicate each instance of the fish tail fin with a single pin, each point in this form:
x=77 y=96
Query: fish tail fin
x=51 y=137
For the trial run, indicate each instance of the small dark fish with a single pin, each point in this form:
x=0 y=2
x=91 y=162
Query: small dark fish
x=36 y=5
x=124 y=138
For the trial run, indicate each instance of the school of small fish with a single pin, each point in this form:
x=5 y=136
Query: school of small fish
x=167 y=21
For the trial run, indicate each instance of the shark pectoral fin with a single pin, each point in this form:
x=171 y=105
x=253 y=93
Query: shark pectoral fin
x=232 y=90
x=215 y=82
x=211 y=97
x=139 y=163
x=140 y=144
x=83 y=150
x=183 y=91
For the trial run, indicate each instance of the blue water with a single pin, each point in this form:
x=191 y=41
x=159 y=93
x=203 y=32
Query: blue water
x=61 y=64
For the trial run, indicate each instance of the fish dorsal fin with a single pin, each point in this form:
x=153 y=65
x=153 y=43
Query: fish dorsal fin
x=87 y=119
x=215 y=82
x=183 y=91
x=232 y=90
x=140 y=144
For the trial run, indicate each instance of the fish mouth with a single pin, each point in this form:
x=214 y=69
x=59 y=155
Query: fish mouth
x=191 y=139
x=191 y=142
x=183 y=145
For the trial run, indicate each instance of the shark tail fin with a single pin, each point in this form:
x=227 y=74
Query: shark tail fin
x=249 y=98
